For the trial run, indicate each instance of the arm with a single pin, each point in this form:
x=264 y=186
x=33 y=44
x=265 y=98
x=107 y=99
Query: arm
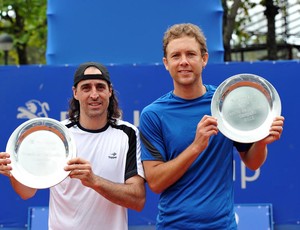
x=257 y=154
x=131 y=194
x=160 y=175
x=23 y=191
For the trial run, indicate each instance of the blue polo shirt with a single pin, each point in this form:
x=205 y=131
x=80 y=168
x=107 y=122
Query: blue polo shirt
x=203 y=197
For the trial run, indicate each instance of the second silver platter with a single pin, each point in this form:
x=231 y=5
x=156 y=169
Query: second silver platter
x=245 y=106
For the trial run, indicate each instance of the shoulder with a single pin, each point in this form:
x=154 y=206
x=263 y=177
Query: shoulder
x=159 y=103
x=211 y=88
x=124 y=125
x=67 y=123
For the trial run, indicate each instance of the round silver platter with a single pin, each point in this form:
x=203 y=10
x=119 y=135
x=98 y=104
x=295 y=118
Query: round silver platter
x=245 y=106
x=40 y=149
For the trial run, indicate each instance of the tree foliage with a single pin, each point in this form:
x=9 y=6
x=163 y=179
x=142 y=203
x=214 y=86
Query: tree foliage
x=236 y=15
x=26 y=22
x=236 y=18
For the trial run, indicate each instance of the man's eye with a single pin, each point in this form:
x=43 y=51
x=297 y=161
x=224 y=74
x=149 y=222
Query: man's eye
x=100 y=87
x=85 y=88
x=191 y=54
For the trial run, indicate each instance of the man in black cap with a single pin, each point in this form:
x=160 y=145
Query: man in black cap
x=107 y=176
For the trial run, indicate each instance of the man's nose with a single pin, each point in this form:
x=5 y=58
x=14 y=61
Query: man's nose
x=183 y=60
x=94 y=94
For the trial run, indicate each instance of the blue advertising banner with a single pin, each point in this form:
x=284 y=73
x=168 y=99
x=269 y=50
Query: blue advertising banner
x=43 y=91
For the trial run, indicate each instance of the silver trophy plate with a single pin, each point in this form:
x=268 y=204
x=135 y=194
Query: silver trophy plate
x=245 y=106
x=40 y=149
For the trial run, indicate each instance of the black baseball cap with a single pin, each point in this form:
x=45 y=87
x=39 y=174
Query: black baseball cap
x=79 y=73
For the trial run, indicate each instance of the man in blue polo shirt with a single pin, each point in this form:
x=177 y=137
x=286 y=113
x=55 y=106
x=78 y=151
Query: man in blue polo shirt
x=184 y=156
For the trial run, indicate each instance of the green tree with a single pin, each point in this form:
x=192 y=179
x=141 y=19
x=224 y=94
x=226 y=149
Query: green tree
x=235 y=19
x=270 y=13
x=26 y=22
x=233 y=23
x=229 y=25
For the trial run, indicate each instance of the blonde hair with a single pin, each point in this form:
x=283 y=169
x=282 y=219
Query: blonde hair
x=181 y=30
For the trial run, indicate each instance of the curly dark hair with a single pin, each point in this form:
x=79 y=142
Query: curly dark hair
x=114 y=111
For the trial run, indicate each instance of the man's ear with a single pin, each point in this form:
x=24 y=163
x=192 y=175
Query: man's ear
x=165 y=63
x=74 y=92
x=205 y=59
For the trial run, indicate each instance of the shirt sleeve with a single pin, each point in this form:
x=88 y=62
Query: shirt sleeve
x=152 y=146
x=242 y=147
